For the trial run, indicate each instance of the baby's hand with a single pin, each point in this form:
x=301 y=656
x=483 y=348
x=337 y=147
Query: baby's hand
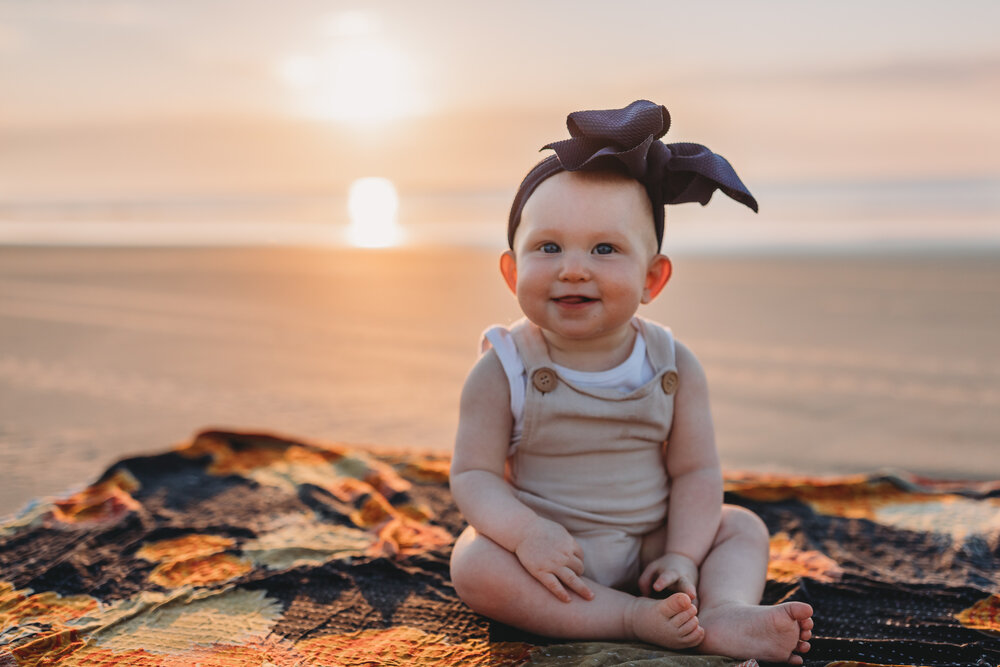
x=550 y=554
x=674 y=571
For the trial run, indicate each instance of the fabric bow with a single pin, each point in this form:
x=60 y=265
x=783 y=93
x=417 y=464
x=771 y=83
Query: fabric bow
x=627 y=141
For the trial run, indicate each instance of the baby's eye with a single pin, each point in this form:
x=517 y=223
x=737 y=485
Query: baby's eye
x=550 y=248
x=603 y=249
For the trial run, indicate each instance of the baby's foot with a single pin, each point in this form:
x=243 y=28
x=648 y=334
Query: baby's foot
x=670 y=623
x=771 y=634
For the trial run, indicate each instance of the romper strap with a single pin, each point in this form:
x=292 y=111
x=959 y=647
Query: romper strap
x=662 y=354
x=660 y=346
x=530 y=344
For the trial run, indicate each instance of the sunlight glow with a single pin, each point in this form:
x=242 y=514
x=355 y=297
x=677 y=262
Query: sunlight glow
x=360 y=78
x=352 y=23
x=373 y=204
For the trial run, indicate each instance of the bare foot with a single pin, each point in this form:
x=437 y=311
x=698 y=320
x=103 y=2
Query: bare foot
x=772 y=634
x=670 y=623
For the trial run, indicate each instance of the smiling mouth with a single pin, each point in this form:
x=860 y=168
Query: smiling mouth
x=573 y=300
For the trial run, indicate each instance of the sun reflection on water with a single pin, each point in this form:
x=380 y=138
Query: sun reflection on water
x=373 y=204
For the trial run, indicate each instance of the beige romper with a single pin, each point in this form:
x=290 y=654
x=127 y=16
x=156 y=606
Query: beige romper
x=592 y=459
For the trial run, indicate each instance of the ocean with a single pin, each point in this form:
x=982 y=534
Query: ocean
x=950 y=215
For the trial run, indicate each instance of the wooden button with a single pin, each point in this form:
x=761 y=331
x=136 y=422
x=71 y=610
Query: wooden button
x=669 y=382
x=544 y=380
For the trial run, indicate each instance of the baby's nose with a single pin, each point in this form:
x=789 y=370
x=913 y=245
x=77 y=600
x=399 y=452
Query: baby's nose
x=574 y=267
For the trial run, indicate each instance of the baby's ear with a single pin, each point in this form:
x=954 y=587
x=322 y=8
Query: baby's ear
x=657 y=275
x=508 y=269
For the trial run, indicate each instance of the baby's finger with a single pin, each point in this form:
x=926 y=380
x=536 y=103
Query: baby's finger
x=576 y=584
x=575 y=564
x=685 y=585
x=552 y=583
x=646 y=580
x=665 y=580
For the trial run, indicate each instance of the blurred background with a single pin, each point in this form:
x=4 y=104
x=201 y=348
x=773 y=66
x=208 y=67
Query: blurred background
x=287 y=216
x=872 y=121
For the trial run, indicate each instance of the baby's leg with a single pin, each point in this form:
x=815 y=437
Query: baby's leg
x=490 y=579
x=731 y=582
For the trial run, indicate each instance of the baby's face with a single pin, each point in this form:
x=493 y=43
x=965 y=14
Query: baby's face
x=585 y=255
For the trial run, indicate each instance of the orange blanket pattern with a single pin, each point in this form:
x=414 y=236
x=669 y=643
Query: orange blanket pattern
x=258 y=549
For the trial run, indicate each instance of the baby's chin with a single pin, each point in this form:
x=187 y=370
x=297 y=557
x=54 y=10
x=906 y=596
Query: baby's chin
x=584 y=331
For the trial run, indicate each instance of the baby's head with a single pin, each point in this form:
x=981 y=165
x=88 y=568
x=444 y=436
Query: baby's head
x=595 y=209
x=585 y=254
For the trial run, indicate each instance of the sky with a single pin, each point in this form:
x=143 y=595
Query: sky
x=127 y=100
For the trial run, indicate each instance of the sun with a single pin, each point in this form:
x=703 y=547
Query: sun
x=357 y=76
x=373 y=204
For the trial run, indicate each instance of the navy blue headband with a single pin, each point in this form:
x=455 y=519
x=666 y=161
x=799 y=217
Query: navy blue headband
x=627 y=141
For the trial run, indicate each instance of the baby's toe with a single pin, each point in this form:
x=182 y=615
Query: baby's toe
x=800 y=611
x=692 y=637
x=683 y=617
x=676 y=603
x=688 y=627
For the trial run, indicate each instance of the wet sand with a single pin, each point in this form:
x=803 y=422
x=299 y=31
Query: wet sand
x=816 y=364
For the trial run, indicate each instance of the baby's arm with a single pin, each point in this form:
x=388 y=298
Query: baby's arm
x=692 y=462
x=544 y=548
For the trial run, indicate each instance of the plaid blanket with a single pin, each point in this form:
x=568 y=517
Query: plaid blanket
x=254 y=549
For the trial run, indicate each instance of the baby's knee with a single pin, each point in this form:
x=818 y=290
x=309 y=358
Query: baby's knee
x=741 y=522
x=463 y=563
x=473 y=569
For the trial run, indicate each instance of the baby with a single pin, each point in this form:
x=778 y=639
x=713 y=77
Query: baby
x=585 y=460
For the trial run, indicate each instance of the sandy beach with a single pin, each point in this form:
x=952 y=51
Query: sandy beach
x=829 y=364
